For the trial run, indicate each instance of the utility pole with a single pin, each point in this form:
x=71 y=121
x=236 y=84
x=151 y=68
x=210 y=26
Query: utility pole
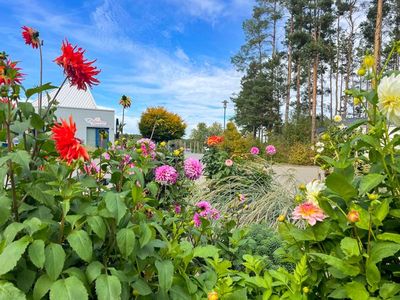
x=225 y=103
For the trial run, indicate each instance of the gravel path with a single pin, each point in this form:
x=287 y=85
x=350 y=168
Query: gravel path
x=302 y=174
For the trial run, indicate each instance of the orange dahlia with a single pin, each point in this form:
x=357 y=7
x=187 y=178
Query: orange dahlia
x=310 y=212
x=9 y=73
x=67 y=145
x=31 y=36
x=214 y=140
x=78 y=70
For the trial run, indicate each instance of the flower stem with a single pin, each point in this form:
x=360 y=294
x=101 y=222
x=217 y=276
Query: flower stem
x=40 y=78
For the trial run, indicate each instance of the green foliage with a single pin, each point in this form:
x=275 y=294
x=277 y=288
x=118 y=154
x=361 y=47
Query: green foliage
x=202 y=131
x=161 y=125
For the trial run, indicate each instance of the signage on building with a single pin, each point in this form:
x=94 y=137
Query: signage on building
x=96 y=121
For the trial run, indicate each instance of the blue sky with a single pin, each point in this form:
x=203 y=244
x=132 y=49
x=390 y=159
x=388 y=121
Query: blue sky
x=174 y=53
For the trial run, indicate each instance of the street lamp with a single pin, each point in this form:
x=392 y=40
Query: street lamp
x=225 y=103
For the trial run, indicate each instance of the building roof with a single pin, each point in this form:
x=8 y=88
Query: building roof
x=70 y=96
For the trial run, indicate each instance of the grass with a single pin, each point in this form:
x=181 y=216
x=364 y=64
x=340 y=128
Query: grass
x=267 y=194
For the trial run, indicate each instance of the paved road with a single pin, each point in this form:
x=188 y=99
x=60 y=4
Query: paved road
x=302 y=174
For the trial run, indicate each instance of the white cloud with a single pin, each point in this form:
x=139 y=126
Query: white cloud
x=179 y=53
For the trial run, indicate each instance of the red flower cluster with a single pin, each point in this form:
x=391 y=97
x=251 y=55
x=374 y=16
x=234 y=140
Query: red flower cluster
x=214 y=140
x=31 y=36
x=9 y=73
x=79 y=71
x=68 y=146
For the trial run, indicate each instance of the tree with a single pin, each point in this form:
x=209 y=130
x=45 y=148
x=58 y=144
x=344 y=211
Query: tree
x=125 y=102
x=200 y=133
x=161 y=125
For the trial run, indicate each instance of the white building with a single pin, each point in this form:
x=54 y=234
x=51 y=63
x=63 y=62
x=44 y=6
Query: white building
x=90 y=120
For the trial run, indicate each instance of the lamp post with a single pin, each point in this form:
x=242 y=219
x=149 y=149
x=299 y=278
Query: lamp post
x=225 y=103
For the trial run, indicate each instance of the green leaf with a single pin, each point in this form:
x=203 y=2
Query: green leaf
x=36 y=253
x=205 y=251
x=350 y=247
x=36 y=90
x=146 y=234
x=115 y=204
x=25 y=279
x=96 y=223
x=68 y=289
x=381 y=250
x=26 y=108
x=42 y=286
x=81 y=243
x=19 y=127
x=338 y=264
x=339 y=184
x=55 y=258
x=9 y=292
x=369 y=182
x=5 y=206
x=37 y=122
x=93 y=270
x=108 y=287
x=126 y=241
x=11 y=231
x=21 y=157
x=165 y=271
x=388 y=290
x=381 y=211
x=142 y=287
x=300 y=273
x=387 y=236
x=356 y=291
x=12 y=253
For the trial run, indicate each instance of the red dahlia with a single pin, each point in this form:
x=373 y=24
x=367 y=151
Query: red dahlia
x=31 y=36
x=214 y=140
x=78 y=70
x=67 y=145
x=9 y=73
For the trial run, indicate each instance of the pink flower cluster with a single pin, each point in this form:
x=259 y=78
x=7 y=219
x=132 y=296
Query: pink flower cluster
x=148 y=147
x=254 y=150
x=166 y=175
x=206 y=212
x=193 y=168
x=91 y=168
x=270 y=149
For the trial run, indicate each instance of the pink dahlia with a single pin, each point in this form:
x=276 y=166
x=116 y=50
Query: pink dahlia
x=254 y=150
x=106 y=156
x=270 y=150
x=148 y=147
x=197 y=220
x=229 y=163
x=91 y=168
x=166 y=175
x=177 y=209
x=214 y=213
x=193 y=168
x=204 y=205
x=310 y=212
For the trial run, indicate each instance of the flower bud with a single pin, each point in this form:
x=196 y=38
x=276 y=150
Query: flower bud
x=212 y=295
x=298 y=198
x=281 y=218
x=139 y=151
x=353 y=216
x=306 y=290
x=163 y=144
x=302 y=187
x=325 y=137
x=176 y=152
x=369 y=61
x=356 y=101
x=373 y=196
x=361 y=72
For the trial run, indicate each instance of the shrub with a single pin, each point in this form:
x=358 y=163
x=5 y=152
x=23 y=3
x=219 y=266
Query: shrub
x=161 y=125
x=300 y=154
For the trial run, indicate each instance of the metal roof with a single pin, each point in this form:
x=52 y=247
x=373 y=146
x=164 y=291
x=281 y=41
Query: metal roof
x=70 y=96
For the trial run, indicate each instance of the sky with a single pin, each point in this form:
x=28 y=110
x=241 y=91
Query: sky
x=171 y=53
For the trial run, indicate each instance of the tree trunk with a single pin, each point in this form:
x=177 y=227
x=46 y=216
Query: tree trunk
x=322 y=96
x=314 y=100
x=378 y=36
x=289 y=80
x=330 y=92
x=274 y=31
x=337 y=65
x=298 y=98
x=309 y=91
x=123 y=116
x=349 y=58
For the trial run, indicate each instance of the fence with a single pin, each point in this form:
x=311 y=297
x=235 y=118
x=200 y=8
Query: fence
x=188 y=145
